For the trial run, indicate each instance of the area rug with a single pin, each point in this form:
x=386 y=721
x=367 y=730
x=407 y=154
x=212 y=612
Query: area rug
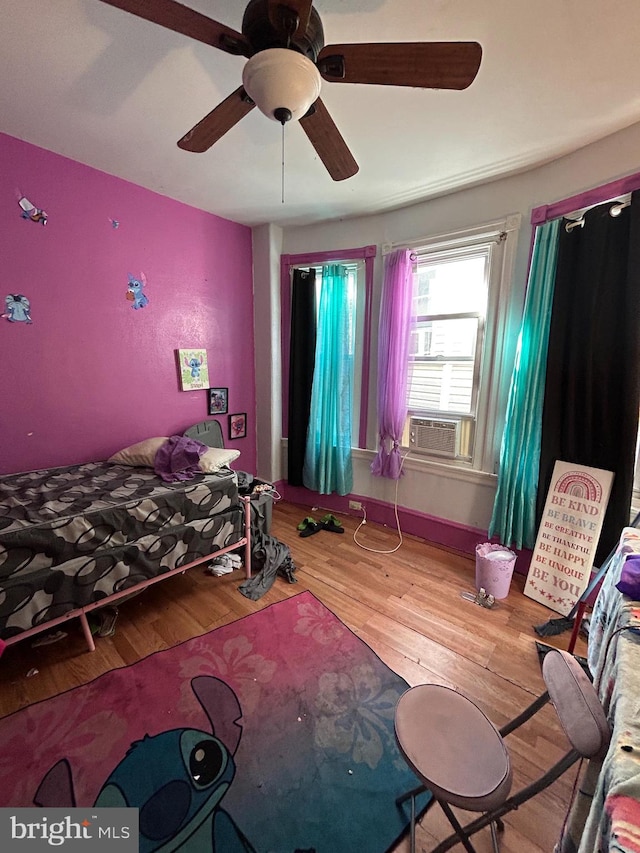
x=271 y=734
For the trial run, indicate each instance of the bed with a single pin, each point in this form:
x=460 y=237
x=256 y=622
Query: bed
x=75 y=538
x=606 y=813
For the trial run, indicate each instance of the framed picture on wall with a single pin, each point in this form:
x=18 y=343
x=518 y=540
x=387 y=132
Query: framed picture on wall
x=218 y=401
x=238 y=425
x=194 y=371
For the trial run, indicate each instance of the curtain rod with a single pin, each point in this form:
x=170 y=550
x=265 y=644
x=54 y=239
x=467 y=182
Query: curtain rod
x=489 y=231
x=348 y=264
x=617 y=206
x=590 y=198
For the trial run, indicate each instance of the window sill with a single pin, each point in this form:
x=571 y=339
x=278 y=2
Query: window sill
x=450 y=469
x=460 y=471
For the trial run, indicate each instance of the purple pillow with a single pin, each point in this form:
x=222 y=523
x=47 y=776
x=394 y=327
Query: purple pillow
x=629 y=583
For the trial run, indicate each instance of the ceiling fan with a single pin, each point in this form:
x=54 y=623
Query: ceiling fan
x=283 y=41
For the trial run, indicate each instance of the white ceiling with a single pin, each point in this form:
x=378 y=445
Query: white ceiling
x=115 y=92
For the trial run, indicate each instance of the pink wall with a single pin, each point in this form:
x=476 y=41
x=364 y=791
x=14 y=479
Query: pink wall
x=90 y=374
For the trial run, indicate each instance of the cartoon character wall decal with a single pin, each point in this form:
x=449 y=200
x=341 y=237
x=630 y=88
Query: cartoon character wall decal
x=18 y=309
x=177 y=779
x=30 y=211
x=135 y=292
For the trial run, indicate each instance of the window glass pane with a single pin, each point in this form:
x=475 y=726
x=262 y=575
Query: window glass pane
x=441 y=386
x=452 y=286
x=355 y=328
x=352 y=300
x=443 y=373
x=455 y=338
x=442 y=368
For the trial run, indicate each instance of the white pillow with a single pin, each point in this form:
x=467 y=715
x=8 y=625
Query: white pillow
x=142 y=454
x=214 y=458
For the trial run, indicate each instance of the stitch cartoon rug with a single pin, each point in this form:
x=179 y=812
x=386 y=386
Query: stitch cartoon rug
x=271 y=734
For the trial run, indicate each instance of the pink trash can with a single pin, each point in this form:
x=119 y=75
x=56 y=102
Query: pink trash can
x=494 y=569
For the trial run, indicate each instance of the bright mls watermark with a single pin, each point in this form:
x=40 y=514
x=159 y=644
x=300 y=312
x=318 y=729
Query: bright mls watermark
x=83 y=830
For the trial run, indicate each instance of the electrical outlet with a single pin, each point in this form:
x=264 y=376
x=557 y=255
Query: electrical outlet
x=355 y=504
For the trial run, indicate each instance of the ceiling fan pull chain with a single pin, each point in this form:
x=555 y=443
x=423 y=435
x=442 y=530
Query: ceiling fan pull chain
x=283 y=163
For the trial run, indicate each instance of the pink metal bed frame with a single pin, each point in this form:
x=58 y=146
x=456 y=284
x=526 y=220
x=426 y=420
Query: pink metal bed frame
x=81 y=612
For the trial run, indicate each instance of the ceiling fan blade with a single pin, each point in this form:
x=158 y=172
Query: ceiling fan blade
x=279 y=10
x=213 y=126
x=182 y=19
x=328 y=142
x=425 y=65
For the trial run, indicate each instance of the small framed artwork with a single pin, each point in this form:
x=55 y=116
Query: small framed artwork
x=194 y=371
x=238 y=425
x=218 y=401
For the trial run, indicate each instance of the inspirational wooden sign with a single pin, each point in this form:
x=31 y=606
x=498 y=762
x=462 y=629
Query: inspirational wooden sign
x=568 y=535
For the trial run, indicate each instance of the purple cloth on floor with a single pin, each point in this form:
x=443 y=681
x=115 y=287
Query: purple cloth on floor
x=178 y=459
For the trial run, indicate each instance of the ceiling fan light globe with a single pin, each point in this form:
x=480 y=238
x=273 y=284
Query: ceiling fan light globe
x=280 y=78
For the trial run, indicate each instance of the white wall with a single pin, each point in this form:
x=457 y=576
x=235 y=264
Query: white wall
x=267 y=246
x=462 y=497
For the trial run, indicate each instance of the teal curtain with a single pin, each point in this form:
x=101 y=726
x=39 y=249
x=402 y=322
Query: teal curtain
x=514 y=510
x=327 y=463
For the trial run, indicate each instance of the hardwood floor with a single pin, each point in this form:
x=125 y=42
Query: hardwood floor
x=405 y=605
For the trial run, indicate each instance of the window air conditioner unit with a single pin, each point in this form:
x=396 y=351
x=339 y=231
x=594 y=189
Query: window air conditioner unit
x=427 y=435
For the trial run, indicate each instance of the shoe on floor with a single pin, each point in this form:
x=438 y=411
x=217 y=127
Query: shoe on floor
x=308 y=527
x=330 y=522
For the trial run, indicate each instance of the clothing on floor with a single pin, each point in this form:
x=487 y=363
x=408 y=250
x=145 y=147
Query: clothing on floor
x=269 y=558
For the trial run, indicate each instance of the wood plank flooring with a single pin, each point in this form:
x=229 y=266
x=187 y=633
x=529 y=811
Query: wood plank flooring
x=405 y=605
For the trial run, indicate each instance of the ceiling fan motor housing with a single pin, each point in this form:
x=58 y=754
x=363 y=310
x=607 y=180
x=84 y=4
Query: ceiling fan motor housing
x=262 y=35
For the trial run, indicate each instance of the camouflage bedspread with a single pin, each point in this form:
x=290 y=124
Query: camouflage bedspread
x=74 y=535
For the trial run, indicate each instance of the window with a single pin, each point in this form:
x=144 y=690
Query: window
x=360 y=261
x=355 y=333
x=460 y=282
x=447 y=341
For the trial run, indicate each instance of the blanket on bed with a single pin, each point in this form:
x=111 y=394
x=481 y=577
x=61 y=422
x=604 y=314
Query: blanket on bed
x=69 y=536
x=606 y=812
x=178 y=459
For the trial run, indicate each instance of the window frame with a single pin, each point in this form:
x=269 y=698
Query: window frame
x=501 y=236
x=313 y=259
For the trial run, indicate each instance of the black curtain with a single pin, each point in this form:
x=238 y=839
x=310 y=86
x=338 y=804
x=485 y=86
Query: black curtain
x=302 y=354
x=592 y=394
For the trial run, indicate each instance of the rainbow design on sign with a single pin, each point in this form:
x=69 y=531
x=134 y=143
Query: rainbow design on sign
x=578 y=484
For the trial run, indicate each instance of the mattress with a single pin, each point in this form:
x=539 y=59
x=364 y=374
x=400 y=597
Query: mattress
x=71 y=536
